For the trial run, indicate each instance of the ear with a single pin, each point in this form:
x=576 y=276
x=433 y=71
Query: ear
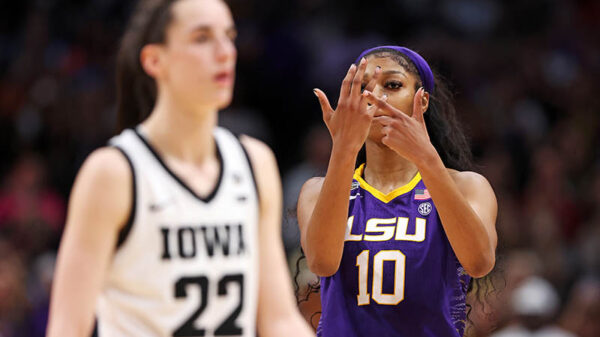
x=425 y=101
x=151 y=60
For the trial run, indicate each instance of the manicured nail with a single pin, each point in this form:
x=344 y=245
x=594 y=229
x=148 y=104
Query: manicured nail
x=378 y=69
x=384 y=97
x=363 y=60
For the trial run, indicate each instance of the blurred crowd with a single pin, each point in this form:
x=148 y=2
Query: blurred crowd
x=524 y=73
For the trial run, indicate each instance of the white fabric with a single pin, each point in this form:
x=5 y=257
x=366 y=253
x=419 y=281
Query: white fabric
x=519 y=331
x=535 y=296
x=140 y=297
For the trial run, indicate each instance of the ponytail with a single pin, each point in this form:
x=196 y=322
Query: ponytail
x=136 y=90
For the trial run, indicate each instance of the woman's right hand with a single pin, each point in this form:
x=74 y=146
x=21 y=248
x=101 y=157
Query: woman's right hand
x=350 y=122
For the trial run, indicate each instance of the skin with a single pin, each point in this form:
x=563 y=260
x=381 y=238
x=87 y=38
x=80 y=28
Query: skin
x=388 y=118
x=180 y=127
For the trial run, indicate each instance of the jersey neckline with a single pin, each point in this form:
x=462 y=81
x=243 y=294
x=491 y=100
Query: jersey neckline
x=158 y=158
x=386 y=198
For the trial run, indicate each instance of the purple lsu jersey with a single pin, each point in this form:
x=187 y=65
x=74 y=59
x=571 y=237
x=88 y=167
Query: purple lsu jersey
x=398 y=275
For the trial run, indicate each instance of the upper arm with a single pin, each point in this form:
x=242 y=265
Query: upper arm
x=309 y=194
x=99 y=205
x=267 y=180
x=101 y=199
x=479 y=194
x=277 y=310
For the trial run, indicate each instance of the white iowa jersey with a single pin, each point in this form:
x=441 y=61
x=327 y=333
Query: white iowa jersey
x=185 y=265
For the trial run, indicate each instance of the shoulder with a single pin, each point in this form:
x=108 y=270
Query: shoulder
x=257 y=150
x=311 y=189
x=472 y=184
x=103 y=187
x=107 y=164
x=313 y=184
x=468 y=179
x=261 y=158
x=264 y=167
x=105 y=174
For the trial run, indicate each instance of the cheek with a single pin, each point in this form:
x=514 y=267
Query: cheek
x=402 y=102
x=189 y=63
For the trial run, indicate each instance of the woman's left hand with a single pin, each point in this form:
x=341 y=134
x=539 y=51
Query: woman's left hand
x=406 y=135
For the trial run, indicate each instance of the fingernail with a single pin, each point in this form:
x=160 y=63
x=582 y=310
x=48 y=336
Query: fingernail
x=363 y=60
x=378 y=68
x=384 y=96
x=315 y=92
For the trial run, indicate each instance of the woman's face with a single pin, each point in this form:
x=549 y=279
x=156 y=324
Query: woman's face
x=199 y=56
x=396 y=83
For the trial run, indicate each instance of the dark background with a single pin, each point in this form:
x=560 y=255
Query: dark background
x=526 y=77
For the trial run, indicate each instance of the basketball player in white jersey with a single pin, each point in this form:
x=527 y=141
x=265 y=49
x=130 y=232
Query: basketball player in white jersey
x=173 y=229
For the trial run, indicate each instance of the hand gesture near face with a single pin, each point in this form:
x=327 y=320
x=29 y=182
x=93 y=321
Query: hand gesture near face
x=405 y=134
x=350 y=122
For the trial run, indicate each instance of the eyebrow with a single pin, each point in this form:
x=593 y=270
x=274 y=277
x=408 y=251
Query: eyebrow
x=208 y=28
x=387 y=72
x=201 y=28
x=394 y=72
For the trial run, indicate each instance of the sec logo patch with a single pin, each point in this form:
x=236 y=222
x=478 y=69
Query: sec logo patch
x=425 y=208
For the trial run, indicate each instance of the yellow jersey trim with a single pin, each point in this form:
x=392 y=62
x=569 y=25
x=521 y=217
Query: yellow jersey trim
x=381 y=196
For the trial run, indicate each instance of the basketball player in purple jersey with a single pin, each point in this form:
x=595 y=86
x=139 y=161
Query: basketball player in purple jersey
x=396 y=241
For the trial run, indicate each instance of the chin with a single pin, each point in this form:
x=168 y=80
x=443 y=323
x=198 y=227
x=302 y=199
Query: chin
x=375 y=133
x=224 y=102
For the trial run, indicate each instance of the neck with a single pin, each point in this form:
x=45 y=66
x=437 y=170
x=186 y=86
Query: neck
x=385 y=169
x=182 y=132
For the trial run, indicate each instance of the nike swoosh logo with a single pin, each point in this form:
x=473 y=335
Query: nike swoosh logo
x=159 y=206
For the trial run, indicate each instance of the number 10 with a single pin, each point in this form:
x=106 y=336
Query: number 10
x=362 y=261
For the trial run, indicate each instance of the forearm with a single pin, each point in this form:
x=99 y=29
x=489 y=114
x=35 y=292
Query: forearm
x=470 y=239
x=73 y=299
x=324 y=238
x=278 y=314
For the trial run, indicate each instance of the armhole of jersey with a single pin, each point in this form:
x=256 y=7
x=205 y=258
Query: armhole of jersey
x=250 y=166
x=124 y=232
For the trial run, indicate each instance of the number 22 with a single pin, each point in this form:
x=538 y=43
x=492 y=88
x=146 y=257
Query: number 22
x=362 y=261
x=229 y=326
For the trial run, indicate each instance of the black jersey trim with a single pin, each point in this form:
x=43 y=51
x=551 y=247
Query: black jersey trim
x=250 y=166
x=124 y=232
x=212 y=194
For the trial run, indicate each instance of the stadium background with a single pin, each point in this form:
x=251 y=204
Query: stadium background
x=526 y=76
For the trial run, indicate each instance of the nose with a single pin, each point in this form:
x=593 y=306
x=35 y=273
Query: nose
x=378 y=90
x=225 y=49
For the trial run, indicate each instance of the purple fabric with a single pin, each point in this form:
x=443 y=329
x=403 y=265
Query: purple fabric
x=435 y=284
x=422 y=66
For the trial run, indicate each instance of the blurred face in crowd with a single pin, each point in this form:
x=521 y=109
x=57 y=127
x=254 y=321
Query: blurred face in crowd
x=196 y=64
x=395 y=82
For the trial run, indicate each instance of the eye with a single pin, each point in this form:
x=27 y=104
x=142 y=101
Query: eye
x=202 y=37
x=232 y=35
x=393 y=85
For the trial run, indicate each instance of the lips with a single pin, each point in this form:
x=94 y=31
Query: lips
x=224 y=78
